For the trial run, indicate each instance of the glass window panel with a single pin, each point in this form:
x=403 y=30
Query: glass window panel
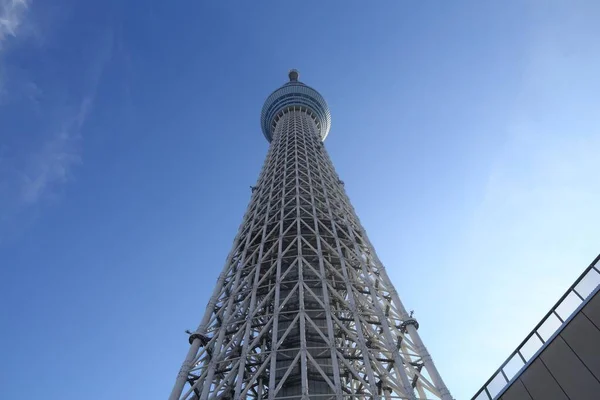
x=496 y=385
x=513 y=366
x=568 y=305
x=550 y=325
x=482 y=396
x=589 y=282
x=530 y=347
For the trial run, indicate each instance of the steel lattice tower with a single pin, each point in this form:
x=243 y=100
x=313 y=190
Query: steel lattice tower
x=303 y=308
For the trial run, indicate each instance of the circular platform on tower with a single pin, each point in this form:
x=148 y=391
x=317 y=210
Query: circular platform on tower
x=295 y=94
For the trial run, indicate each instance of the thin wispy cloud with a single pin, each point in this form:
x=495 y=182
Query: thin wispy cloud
x=51 y=165
x=12 y=13
x=50 y=117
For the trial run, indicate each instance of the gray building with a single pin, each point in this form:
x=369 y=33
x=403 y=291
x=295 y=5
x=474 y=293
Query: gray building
x=560 y=358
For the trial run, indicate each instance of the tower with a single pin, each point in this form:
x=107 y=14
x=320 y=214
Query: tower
x=303 y=308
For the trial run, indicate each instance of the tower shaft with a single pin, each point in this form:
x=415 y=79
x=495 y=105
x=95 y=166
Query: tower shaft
x=303 y=309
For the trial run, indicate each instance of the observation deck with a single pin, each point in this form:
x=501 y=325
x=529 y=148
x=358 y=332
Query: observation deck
x=295 y=95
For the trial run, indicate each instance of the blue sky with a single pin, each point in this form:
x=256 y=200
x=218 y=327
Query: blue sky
x=466 y=132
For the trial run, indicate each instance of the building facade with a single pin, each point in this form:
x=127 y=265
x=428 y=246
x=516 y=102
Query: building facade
x=560 y=358
x=303 y=308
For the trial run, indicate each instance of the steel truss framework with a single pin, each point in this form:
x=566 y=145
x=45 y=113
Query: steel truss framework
x=303 y=308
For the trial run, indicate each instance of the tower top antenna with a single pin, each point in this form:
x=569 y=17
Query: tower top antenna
x=293 y=74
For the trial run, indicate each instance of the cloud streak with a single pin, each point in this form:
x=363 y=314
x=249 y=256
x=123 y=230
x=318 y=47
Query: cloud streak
x=43 y=141
x=12 y=13
x=51 y=165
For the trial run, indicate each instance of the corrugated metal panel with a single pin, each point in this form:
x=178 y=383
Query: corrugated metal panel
x=516 y=392
x=569 y=372
x=540 y=384
x=583 y=337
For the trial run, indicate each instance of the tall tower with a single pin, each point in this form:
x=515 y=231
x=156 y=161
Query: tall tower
x=303 y=308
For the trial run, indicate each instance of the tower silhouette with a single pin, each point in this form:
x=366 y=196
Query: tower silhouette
x=303 y=308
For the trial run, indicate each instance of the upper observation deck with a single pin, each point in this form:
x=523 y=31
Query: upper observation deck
x=295 y=94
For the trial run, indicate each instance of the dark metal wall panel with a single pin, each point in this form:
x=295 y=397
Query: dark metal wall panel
x=540 y=384
x=592 y=310
x=570 y=373
x=516 y=392
x=569 y=367
x=584 y=338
